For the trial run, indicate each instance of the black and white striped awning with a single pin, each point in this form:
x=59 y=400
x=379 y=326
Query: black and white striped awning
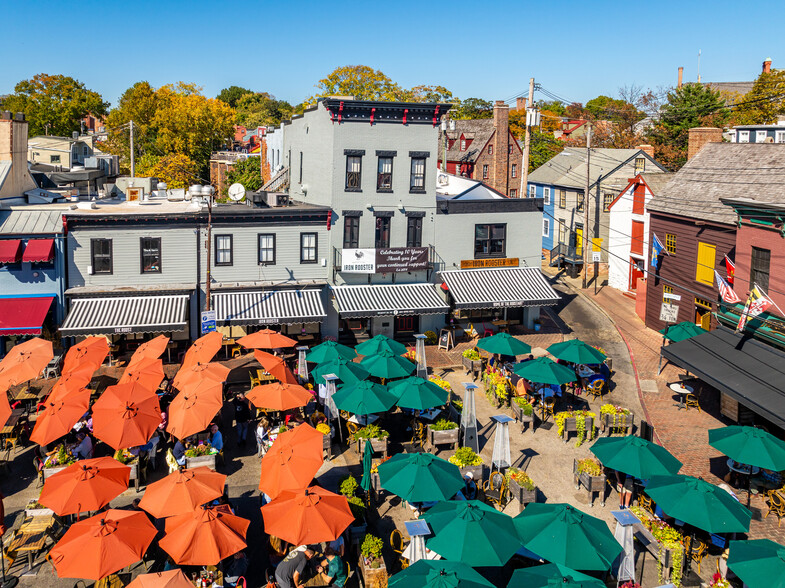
x=388 y=299
x=499 y=287
x=126 y=314
x=269 y=307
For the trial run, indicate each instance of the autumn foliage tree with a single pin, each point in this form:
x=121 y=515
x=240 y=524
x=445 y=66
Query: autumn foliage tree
x=764 y=102
x=176 y=170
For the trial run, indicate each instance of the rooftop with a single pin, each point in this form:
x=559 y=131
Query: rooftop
x=568 y=168
x=478 y=130
x=452 y=187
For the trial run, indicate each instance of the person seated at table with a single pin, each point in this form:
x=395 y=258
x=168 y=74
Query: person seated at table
x=339 y=545
x=767 y=479
x=470 y=486
x=331 y=571
x=179 y=452
x=237 y=567
x=289 y=572
x=216 y=440
x=84 y=446
x=530 y=358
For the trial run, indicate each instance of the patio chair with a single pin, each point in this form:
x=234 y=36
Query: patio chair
x=495 y=490
x=776 y=505
x=351 y=428
x=548 y=406
x=398 y=546
x=254 y=381
x=8 y=554
x=418 y=434
x=646 y=503
x=596 y=389
x=38 y=464
x=698 y=551
x=171 y=461
x=692 y=401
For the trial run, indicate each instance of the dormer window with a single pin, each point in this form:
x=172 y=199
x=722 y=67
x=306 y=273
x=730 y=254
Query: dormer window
x=463 y=144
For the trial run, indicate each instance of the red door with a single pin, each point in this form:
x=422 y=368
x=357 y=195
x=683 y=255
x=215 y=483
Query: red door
x=636 y=271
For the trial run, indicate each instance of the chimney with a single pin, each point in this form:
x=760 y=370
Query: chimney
x=681 y=76
x=498 y=179
x=13 y=148
x=647 y=149
x=767 y=65
x=699 y=136
x=520 y=103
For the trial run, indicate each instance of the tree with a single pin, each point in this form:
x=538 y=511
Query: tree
x=472 y=108
x=766 y=100
x=138 y=103
x=360 y=81
x=232 y=95
x=260 y=109
x=54 y=104
x=692 y=105
x=542 y=148
x=247 y=172
x=176 y=169
x=429 y=94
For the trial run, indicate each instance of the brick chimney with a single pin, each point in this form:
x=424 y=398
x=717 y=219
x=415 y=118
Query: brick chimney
x=699 y=136
x=500 y=141
x=13 y=148
x=520 y=103
x=681 y=77
x=767 y=65
x=647 y=149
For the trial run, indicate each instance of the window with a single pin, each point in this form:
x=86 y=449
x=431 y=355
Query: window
x=513 y=193
x=384 y=174
x=490 y=149
x=759 y=268
x=509 y=149
x=353 y=173
x=382 y=237
x=667 y=290
x=417 y=180
x=779 y=137
x=546 y=227
x=606 y=201
x=484 y=172
x=640 y=165
x=54 y=159
x=151 y=255
x=546 y=195
x=514 y=170
x=351 y=232
x=760 y=136
x=308 y=248
x=223 y=250
x=744 y=136
x=267 y=249
x=414 y=231
x=101 y=255
x=85 y=151
x=562 y=198
x=301 y=167
x=563 y=232
x=579 y=206
x=489 y=240
x=532 y=191
x=463 y=144
x=704 y=268
x=670 y=243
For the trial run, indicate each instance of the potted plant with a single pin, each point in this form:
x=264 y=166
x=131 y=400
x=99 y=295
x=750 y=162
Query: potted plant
x=472 y=362
x=125 y=457
x=371 y=550
x=325 y=430
x=613 y=417
x=468 y=461
x=521 y=486
x=665 y=543
x=497 y=389
x=579 y=421
x=430 y=337
x=58 y=461
x=36 y=509
x=374 y=434
x=200 y=455
x=348 y=488
x=443 y=432
x=523 y=411
x=588 y=473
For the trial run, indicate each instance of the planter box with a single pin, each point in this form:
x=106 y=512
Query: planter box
x=373 y=576
x=378 y=446
x=592 y=484
x=443 y=437
x=202 y=460
x=38 y=511
x=623 y=421
x=476 y=471
x=327 y=445
x=653 y=546
x=472 y=365
x=571 y=426
x=521 y=495
x=517 y=410
x=52 y=471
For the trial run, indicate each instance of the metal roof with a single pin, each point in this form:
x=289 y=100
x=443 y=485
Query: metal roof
x=31 y=222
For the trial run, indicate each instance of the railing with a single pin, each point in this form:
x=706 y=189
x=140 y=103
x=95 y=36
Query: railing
x=279 y=181
x=567 y=253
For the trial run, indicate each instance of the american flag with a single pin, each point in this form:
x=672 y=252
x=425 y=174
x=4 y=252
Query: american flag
x=726 y=292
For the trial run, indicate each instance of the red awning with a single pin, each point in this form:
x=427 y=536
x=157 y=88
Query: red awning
x=10 y=250
x=23 y=316
x=39 y=250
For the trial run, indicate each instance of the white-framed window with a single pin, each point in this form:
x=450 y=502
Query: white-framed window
x=546 y=195
x=532 y=191
x=546 y=227
x=734 y=136
x=463 y=144
x=779 y=137
x=760 y=136
x=744 y=136
x=514 y=171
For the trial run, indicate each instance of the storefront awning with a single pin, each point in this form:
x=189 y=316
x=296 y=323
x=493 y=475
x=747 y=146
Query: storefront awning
x=10 y=250
x=499 y=287
x=126 y=314
x=39 y=250
x=744 y=368
x=269 y=307
x=386 y=300
x=23 y=316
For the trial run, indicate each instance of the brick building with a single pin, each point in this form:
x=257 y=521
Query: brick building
x=485 y=150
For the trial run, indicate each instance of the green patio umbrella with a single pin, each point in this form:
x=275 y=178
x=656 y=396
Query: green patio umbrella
x=438 y=574
x=699 y=503
x=420 y=477
x=635 y=457
x=418 y=393
x=348 y=372
x=365 y=481
x=564 y=535
x=330 y=351
x=552 y=574
x=387 y=364
x=681 y=331
x=759 y=563
x=471 y=532
x=576 y=351
x=378 y=343
x=750 y=445
x=505 y=344
x=364 y=397
x=545 y=371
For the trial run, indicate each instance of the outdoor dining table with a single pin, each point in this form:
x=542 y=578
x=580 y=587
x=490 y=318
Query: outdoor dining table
x=363 y=419
x=682 y=391
x=31 y=538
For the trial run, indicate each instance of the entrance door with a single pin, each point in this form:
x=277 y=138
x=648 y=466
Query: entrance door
x=406 y=326
x=383 y=325
x=636 y=271
x=579 y=241
x=703 y=313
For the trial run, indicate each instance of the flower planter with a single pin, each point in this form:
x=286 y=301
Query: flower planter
x=37 y=511
x=378 y=446
x=571 y=426
x=660 y=553
x=592 y=484
x=373 y=576
x=52 y=471
x=522 y=495
x=476 y=471
x=202 y=460
x=449 y=437
x=524 y=419
x=622 y=421
x=473 y=366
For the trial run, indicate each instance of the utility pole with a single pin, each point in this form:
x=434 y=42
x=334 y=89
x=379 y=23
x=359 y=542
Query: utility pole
x=133 y=164
x=586 y=209
x=527 y=144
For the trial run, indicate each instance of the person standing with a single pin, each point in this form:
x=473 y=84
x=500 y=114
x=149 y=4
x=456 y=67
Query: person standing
x=289 y=573
x=242 y=414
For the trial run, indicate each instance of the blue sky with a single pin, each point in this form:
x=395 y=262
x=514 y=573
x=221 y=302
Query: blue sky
x=485 y=49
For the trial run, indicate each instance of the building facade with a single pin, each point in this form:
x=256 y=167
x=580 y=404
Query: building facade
x=759 y=133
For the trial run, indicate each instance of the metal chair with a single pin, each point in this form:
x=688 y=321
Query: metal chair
x=692 y=401
x=596 y=389
x=351 y=428
x=698 y=551
x=495 y=490
x=418 y=434
x=398 y=547
x=646 y=503
x=548 y=406
x=776 y=505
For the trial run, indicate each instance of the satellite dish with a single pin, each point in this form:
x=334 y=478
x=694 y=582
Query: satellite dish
x=236 y=192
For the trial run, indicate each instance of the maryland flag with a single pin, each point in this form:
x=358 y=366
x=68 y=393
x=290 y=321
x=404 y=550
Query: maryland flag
x=757 y=302
x=730 y=270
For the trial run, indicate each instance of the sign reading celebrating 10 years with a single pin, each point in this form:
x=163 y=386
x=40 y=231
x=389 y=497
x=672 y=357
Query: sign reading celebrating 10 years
x=384 y=261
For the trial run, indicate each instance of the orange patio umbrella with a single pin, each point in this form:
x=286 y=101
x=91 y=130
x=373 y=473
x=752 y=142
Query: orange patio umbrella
x=152 y=349
x=92 y=350
x=203 y=537
x=77 y=377
x=171 y=579
x=307 y=516
x=266 y=339
x=292 y=461
x=214 y=372
x=25 y=362
x=182 y=491
x=279 y=396
x=193 y=408
x=88 y=484
x=62 y=411
x=203 y=350
x=101 y=545
x=126 y=415
x=5 y=408
x=275 y=366
x=147 y=372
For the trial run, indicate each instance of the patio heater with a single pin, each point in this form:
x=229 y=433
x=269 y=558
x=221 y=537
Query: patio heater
x=302 y=364
x=417 y=530
x=501 y=444
x=469 y=418
x=419 y=352
x=330 y=410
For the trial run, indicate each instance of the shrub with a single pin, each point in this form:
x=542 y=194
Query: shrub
x=348 y=486
x=464 y=457
x=430 y=338
x=371 y=547
x=371 y=432
x=443 y=425
x=525 y=405
x=471 y=354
